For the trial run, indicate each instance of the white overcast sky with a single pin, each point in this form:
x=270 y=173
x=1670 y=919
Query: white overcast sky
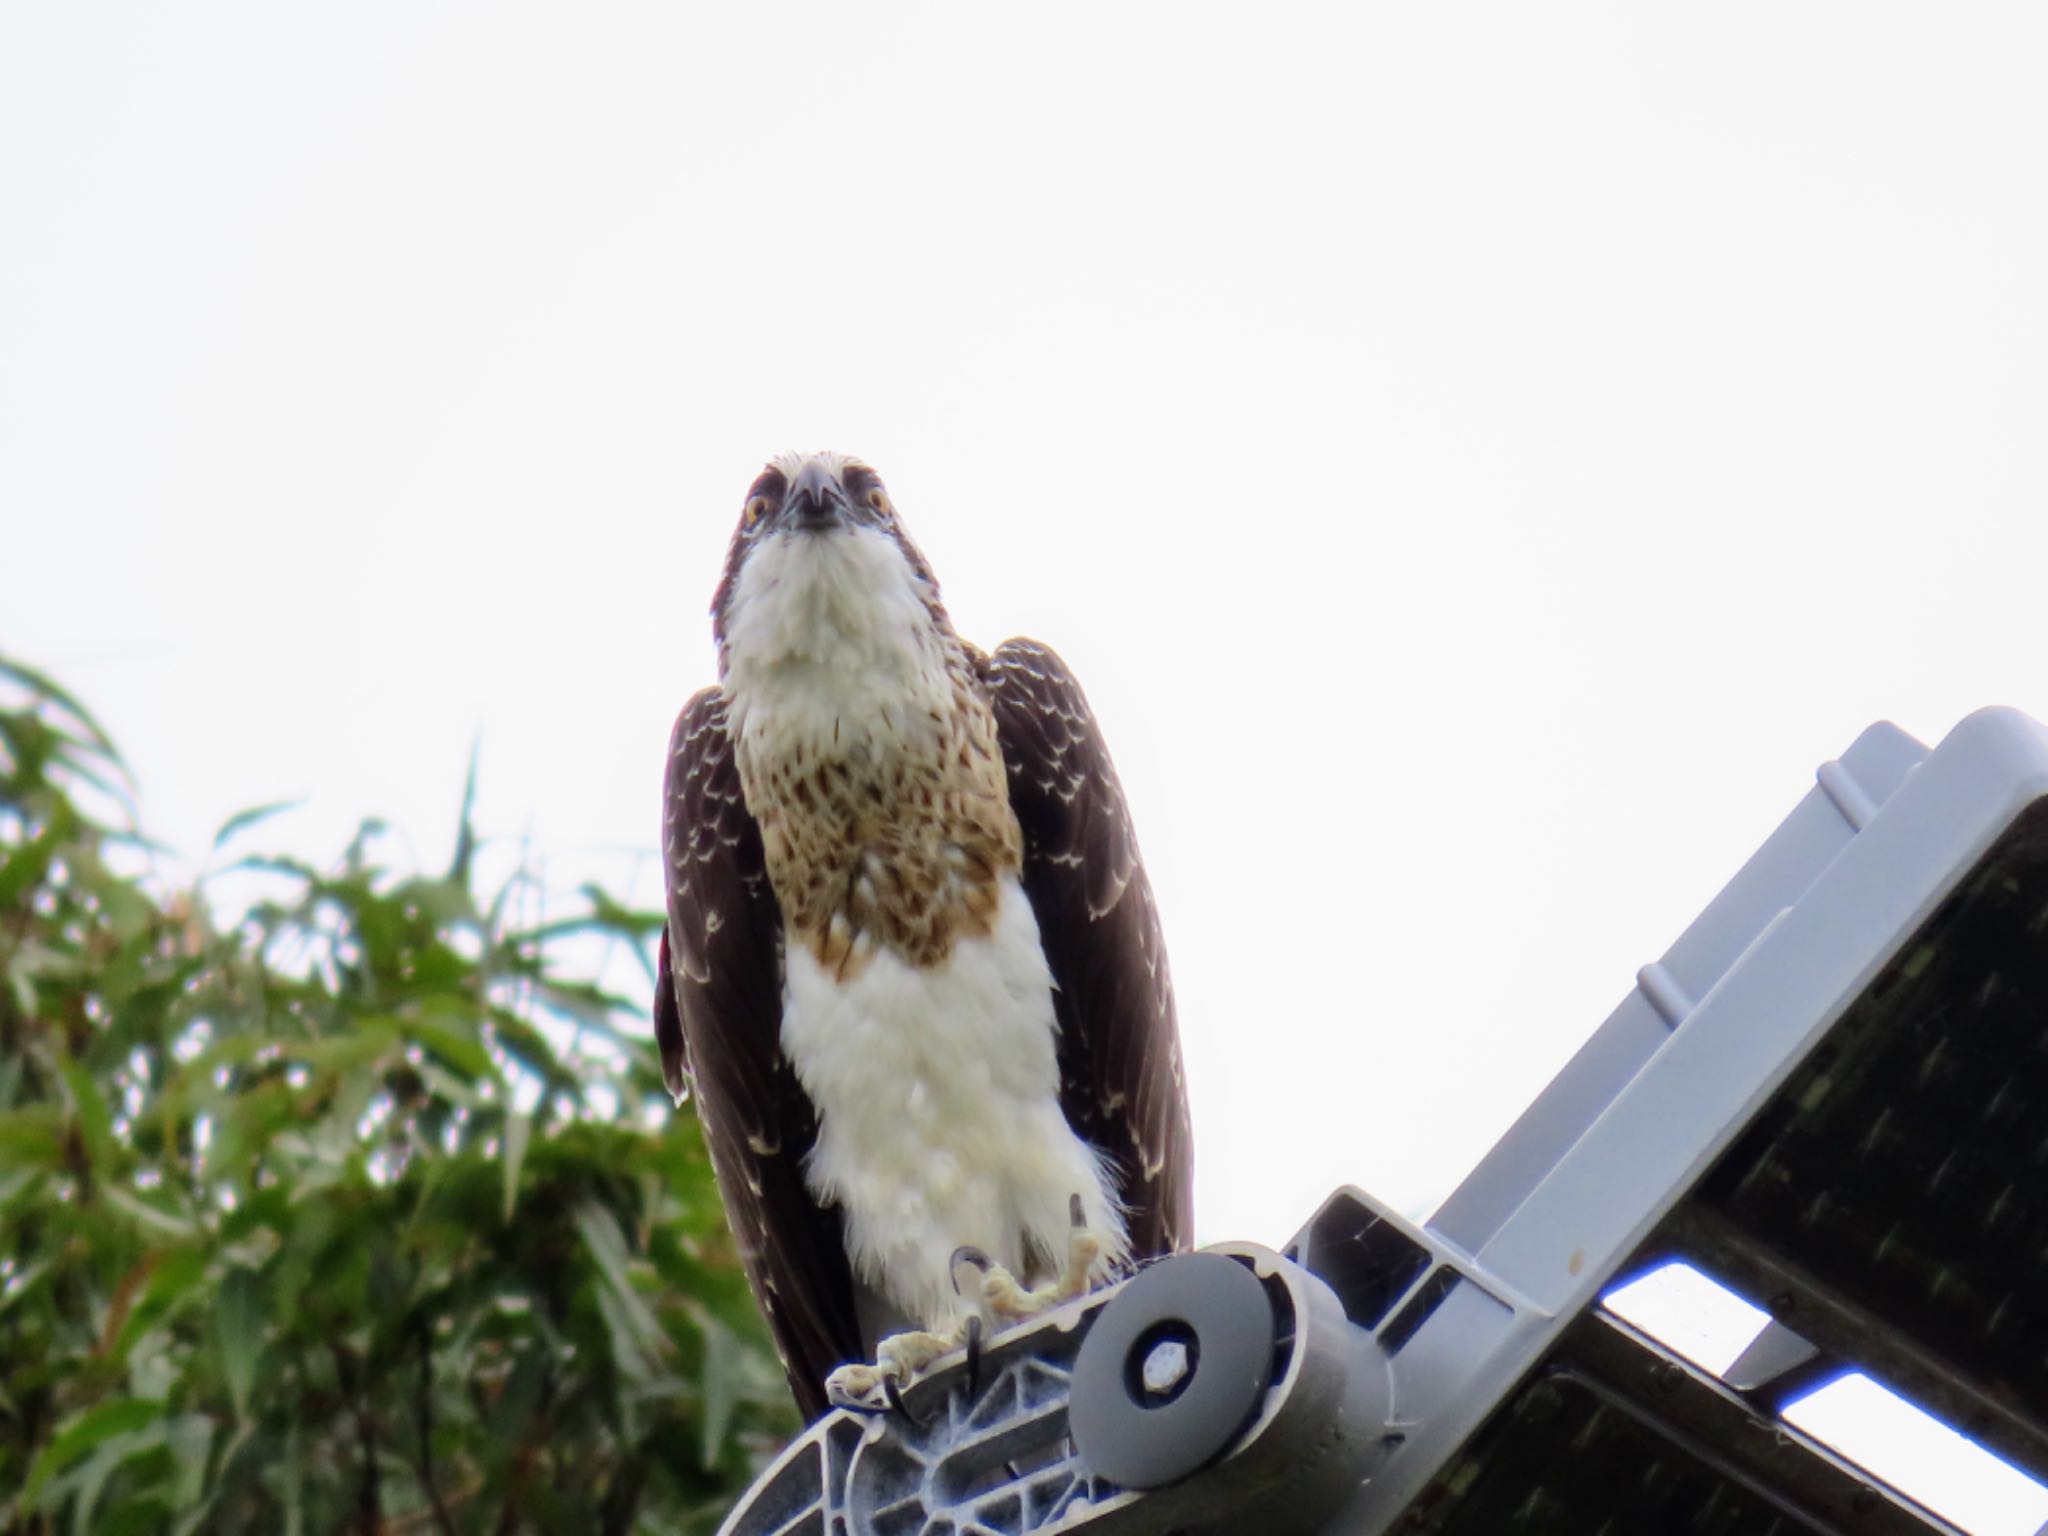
x=1479 y=460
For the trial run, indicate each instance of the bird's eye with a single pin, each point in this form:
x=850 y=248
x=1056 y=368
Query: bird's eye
x=755 y=509
x=878 y=500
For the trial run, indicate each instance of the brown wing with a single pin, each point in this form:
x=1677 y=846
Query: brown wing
x=1119 y=1048
x=719 y=1026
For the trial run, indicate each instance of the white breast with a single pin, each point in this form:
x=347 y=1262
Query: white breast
x=939 y=1118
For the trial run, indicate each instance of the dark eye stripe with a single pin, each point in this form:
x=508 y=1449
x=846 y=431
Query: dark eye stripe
x=771 y=483
x=859 y=480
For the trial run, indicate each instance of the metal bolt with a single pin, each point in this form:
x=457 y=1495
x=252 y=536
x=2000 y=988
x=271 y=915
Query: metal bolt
x=1166 y=1367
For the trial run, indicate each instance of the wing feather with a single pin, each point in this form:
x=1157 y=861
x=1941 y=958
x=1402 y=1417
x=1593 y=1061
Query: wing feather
x=719 y=1026
x=1121 y=1084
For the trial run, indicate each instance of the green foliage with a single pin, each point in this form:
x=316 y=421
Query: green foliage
x=277 y=1251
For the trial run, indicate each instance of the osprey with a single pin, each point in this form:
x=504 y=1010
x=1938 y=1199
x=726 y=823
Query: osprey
x=912 y=965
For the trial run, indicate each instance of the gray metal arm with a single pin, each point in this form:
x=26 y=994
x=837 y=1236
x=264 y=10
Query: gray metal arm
x=1830 y=1092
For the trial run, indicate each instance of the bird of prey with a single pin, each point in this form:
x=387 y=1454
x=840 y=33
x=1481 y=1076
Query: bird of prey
x=912 y=967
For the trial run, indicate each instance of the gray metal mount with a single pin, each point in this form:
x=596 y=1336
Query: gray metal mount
x=1831 y=1093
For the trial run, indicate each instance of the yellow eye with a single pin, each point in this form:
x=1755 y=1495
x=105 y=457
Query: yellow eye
x=756 y=509
x=878 y=500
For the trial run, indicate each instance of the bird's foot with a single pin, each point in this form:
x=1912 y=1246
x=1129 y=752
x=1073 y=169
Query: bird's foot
x=1011 y=1301
x=898 y=1358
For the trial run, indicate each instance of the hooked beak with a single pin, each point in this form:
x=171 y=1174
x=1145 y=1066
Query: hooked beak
x=815 y=502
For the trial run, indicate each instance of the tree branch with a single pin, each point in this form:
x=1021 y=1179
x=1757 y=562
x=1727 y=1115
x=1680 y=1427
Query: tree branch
x=423 y=1414
x=524 y=1458
x=370 y=1497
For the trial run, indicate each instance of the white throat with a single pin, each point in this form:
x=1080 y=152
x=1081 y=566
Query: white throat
x=832 y=632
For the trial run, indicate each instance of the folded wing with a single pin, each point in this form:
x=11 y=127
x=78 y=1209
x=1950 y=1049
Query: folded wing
x=718 y=1022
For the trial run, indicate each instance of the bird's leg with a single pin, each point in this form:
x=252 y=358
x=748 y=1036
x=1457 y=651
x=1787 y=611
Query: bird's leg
x=899 y=1357
x=1084 y=1247
x=878 y=1387
x=1011 y=1300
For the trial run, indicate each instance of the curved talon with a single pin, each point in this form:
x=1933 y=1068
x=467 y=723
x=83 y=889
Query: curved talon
x=895 y=1395
x=1074 y=1217
x=973 y=1358
x=967 y=1253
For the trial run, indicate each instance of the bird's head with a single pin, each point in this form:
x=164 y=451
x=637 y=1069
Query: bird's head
x=820 y=567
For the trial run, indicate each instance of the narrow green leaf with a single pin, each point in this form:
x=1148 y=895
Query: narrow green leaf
x=521 y=1400
x=238 y=1327
x=353 y=857
x=243 y=1132
x=20 y=975
x=530 y=1048
x=190 y=1437
x=447 y=903
x=629 y=1317
x=465 y=828
x=95 y=1124
x=445 y=1085
x=518 y=1132
x=453 y=1039
x=294 y=1513
x=85 y=1497
x=139 y=1506
x=242 y=820
x=721 y=1385
x=27 y=864
x=369 y=1039
x=37 y=683
x=141 y=1211
x=629 y=1353
x=22 y=1283
x=92 y=1428
x=196 y=1519
x=32 y=1137
x=275 y=864
x=174 y=1283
